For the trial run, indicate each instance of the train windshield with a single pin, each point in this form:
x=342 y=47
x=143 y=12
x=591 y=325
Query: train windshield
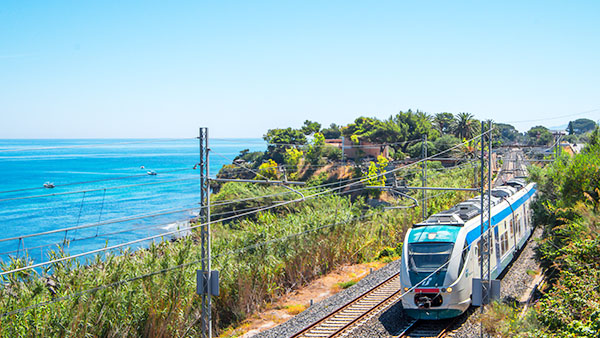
x=429 y=256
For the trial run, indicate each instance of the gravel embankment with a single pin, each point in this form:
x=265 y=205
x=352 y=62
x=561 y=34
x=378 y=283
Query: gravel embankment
x=514 y=284
x=326 y=306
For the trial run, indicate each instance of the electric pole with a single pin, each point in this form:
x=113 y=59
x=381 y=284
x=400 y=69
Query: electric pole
x=204 y=277
x=485 y=240
x=424 y=178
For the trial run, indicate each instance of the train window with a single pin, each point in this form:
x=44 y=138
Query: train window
x=511 y=224
x=429 y=256
x=503 y=243
x=465 y=254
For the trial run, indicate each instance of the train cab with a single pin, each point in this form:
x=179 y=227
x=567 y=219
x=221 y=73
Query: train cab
x=440 y=255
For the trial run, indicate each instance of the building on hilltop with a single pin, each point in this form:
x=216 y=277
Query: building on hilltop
x=360 y=150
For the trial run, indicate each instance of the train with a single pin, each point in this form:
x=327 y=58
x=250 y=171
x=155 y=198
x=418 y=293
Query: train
x=440 y=256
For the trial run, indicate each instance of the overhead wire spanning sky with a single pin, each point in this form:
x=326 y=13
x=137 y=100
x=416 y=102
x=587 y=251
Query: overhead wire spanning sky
x=73 y=69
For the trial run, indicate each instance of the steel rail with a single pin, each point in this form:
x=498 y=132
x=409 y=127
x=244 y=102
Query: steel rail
x=433 y=329
x=346 y=318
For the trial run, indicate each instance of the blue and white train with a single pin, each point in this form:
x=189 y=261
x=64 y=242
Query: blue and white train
x=450 y=240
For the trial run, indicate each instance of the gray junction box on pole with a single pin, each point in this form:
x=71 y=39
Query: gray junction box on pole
x=202 y=282
x=478 y=289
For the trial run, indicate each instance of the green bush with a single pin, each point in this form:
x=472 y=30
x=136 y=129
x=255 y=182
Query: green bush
x=568 y=208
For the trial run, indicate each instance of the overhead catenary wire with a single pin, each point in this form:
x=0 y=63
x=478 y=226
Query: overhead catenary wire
x=370 y=177
x=556 y=117
x=165 y=270
x=170 y=233
x=68 y=242
x=119 y=220
x=155 y=214
x=140 y=227
x=358 y=179
x=371 y=145
x=332 y=166
x=230 y=252
x=114 y=284
x=112 y=188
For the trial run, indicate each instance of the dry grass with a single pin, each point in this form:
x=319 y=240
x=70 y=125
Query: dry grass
x=294 y=309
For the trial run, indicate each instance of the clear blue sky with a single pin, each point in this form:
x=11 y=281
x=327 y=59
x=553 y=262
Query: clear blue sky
x=72 y=69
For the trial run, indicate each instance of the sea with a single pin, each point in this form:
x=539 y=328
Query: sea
x=104 y=192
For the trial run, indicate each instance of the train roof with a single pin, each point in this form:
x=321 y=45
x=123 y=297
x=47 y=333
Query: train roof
x=464 y=211
x=503 y=191
x=517 y=183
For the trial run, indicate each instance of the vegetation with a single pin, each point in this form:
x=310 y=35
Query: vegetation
x=260 y=258
x=580 y=126
x=568 y=208
x=263 y=256
x=539 y=135
x=402 y=133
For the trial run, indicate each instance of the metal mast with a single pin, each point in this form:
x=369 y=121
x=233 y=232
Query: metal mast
x=489 y=210
x=424 y=203
x=205 y=232
x=486 y=233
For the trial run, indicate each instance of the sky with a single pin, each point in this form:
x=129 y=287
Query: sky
x=154 y=69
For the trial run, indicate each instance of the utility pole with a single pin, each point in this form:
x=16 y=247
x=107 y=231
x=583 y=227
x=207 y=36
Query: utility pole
x=204 y=276
x=343 y=158
x=424 y=178
x=486 y=215
x=489 y=211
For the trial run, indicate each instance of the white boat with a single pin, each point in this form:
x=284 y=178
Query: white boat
x=152 y=173
x=49 y=185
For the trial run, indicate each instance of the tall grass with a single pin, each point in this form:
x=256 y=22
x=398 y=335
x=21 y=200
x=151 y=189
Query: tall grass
x=260 y=259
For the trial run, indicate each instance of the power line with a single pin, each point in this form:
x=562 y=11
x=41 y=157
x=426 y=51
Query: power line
x=84 y=226
x=137 y=228
x=230 y=252
x=118 y=283
x=372 y=145
x=232 y=217
x=556 y=117
x=129 y=280
x=159 y=213
x=32 y=266
x=98 y=224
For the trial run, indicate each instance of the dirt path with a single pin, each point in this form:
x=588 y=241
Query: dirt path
x=297 y=301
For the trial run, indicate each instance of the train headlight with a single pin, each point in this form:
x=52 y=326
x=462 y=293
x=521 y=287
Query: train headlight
x=449 y=290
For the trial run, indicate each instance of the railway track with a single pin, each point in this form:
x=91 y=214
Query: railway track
x=350 y=316
x=426 y=329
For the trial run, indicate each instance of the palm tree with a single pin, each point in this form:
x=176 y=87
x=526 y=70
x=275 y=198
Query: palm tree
x=444 y=122
x=465 y=125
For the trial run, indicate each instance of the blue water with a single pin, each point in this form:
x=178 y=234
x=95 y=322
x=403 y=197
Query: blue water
x=26 y=207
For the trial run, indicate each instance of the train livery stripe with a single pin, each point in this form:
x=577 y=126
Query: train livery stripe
x=474 y=234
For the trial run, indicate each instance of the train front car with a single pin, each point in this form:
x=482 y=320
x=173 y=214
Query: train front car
x=435 y=260
x=440 y=255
